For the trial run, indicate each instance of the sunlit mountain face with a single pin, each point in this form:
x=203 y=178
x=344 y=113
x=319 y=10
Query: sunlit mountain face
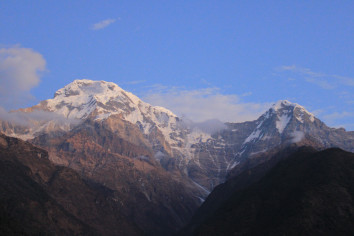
x=169 y=164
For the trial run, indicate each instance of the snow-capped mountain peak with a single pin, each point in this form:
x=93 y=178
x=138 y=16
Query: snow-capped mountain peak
x=99 y=100
x=281 y=104
x=81 y=98
x=285 y=107
x=277 y=119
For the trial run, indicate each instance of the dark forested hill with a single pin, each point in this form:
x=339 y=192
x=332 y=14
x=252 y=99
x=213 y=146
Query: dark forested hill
x=308 y=193
x=38 y=198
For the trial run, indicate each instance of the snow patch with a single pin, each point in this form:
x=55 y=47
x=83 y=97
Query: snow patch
x=255 y=153
x=281 y=104
x=282 y=122
x=266 y=137
x=201 y=187
x=233 y=165
x=304 y=111
x=255 y=135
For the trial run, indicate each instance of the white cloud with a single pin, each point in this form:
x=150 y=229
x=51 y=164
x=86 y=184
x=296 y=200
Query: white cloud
x=320 y=82
x=32 y=118
x=339 y=119
x=134 y=82
x=325 y=81
x=339 y=115
x=297 y=136
x=205 y=104
x=246 y=94
x=102 y=24
x=20 y=71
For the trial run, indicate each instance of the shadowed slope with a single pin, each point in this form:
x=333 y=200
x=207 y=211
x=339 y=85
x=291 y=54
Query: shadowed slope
x=309 y=193
x=40 y=198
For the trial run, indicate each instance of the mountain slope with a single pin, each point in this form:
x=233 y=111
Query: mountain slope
x=205 y=157
x=40 y=198
x=158 y=201
x=284 y=124
x=308 y=193
x=156 y=163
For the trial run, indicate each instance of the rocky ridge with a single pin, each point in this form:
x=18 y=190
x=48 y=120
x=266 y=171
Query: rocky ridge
x=159 y=167
x=206 y=158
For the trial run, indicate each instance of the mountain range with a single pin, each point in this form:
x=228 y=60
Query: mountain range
x=159 y=167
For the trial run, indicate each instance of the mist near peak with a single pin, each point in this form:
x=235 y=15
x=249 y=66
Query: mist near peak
x=210 y=126
x=29 y=119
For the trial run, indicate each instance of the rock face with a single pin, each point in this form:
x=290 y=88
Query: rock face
x=284 y=125
x=158 y=165
x=158 y=201
x=245 y=145
x=307 y=193
x=204 y=156
x=287 y=123
x=38 y=198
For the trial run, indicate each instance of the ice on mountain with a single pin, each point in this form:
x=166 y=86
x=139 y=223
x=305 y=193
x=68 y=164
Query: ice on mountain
x=282 y=122
x=312 y=118
x=304 y=111
x=259 y=152
x=255 y=135
x=300 y=117
x=260 y=124
x=233 y=165
x=281 y=104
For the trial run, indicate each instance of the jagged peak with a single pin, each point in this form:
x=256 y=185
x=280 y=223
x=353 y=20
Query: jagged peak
x=283 y=104
x=284 y=111
x=83 y=96
x=89 y=87
x=100 y=91
x=287 y=105
x=165 y=110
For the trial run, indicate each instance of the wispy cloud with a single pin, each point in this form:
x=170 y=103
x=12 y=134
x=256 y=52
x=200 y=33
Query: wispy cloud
x=31 y=119
x=246 y=94
x=103 y=24
x=134 y=82
x=206 y=104
x=320 y=82
x=338 y=90
x=340 y=119
x=20 y=71
x=323 y=80
x=339 y=115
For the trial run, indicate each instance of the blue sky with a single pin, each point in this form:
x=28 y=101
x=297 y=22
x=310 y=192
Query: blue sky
x=203 y=59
